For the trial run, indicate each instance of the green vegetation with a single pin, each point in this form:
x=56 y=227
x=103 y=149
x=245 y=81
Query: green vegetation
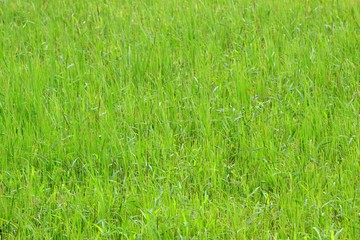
x=213 y=119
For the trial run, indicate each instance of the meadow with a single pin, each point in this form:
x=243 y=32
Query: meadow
x=212 y=119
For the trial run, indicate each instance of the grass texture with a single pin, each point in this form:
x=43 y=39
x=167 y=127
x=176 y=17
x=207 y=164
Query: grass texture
x=212 y=119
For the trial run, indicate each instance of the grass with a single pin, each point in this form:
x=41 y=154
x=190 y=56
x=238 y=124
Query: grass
x=180 y=120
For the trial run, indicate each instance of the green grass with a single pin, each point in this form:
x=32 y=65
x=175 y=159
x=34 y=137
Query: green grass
x=151 y=119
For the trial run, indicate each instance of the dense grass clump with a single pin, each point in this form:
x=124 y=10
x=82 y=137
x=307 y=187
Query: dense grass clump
x=213 y=119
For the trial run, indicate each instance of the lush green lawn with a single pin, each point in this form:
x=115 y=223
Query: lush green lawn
x=213 y=119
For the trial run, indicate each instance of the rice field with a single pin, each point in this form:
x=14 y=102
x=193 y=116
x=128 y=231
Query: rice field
x=212 y=119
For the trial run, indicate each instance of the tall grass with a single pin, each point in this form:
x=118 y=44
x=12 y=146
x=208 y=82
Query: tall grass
x=179 y=119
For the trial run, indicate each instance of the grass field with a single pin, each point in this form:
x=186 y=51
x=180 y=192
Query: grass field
x=213 y=119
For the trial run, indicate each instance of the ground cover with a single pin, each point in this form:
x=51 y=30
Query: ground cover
x=179 y=120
